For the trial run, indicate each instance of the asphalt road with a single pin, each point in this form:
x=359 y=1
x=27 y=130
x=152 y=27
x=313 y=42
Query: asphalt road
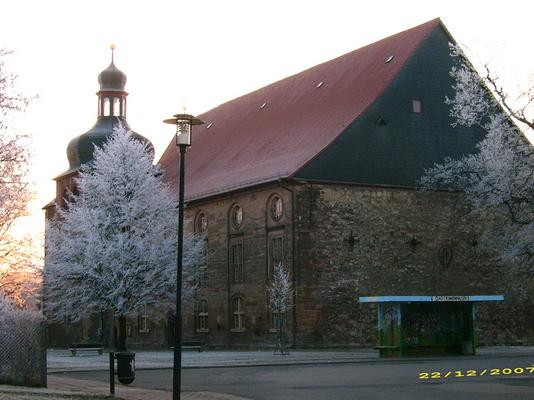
x=470 y=378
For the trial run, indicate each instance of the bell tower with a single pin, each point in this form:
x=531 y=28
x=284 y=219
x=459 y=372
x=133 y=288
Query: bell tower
x=112 y=96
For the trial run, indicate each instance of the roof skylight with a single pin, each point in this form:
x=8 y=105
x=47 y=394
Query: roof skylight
x=263 y=106
x=319 y=85
x=390 y=58
x=209 y=125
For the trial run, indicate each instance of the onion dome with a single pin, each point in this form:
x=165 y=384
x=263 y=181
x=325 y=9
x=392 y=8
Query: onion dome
x=112 y=79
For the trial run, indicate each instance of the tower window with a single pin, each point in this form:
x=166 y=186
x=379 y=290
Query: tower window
x=116 y=107
x=417 y=106
x=107 y=107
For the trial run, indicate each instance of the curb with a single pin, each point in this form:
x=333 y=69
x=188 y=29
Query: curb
x=306 y=362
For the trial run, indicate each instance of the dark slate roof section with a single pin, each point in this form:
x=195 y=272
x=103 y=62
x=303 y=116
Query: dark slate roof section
x=396 y=151
x=80 y=149
x=248 y=145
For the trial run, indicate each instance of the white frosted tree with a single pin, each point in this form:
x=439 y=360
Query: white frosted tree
x=280 y=301
x=113 y=246
x=499 y=178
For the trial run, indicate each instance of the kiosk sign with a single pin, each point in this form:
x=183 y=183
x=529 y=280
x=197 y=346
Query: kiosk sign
x=450 y=298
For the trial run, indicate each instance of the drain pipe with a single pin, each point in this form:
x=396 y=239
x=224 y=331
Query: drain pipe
x=293 y=259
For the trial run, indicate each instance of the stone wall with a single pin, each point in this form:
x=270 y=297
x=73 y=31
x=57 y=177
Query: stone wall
x=255 y=232
x=363 y=241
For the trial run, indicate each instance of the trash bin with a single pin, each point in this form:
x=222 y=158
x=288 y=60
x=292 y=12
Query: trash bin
x=125 y=367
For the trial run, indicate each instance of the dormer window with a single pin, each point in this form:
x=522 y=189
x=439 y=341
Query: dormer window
x=417 y=106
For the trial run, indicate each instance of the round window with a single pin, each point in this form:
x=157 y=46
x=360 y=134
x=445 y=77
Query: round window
x=202 y=223
x=236 y=216
x=277 y=208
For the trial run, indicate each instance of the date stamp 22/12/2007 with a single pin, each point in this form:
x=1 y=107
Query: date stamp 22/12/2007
x=471 y=373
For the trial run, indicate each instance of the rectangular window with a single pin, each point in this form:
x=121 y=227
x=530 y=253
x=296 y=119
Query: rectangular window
x=203 y=270
x=417 y=106
x=238 y=314
x=277 y=321
x=202 y=316
x=143 y=321
x=236 y=262
x=276 y=253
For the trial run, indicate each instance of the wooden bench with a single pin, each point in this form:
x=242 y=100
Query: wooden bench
x=192 y=346
x=83 y=347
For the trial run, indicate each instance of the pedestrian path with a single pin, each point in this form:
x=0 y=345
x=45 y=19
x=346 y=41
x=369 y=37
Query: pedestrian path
x=62 y=361
x=59 y=385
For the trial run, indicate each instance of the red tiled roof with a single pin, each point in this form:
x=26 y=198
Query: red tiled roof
x=248 y=145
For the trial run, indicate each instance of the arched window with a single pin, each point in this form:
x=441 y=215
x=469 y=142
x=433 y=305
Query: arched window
x=201 y=223
x=275 y=208
x=238 y=314
x=202 y=316
x=236 y=216
x=116 y=107
x=106 y=107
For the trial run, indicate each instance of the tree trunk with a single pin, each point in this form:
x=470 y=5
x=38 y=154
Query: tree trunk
x=121 y=343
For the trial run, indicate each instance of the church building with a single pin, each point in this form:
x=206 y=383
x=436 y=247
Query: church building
x=319 y=171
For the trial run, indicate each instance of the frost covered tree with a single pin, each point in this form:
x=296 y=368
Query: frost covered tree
x=280 y=301
x=113 y=246
x=499 y=178
x=17 y=266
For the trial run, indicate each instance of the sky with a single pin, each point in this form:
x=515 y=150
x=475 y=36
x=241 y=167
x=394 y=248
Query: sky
x=202 y=53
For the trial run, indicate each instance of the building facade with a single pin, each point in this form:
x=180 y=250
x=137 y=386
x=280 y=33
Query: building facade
x=319 y=172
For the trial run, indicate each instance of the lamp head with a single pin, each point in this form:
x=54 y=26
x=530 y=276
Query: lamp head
x=184 y=124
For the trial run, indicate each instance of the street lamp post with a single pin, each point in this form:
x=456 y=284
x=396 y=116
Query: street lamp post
x=184 y=124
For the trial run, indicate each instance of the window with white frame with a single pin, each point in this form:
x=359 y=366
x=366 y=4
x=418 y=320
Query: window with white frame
x=236 y=261
x=238 y=314
x=202 y=316
x=275 y=252
x=144 y=321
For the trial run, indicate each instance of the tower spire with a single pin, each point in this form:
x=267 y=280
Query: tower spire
x=112 y=47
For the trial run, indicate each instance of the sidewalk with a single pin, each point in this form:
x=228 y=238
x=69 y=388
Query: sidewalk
x=62 y=361
x=58 y=385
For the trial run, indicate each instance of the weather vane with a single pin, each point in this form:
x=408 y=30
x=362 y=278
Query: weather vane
x=112 y=47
